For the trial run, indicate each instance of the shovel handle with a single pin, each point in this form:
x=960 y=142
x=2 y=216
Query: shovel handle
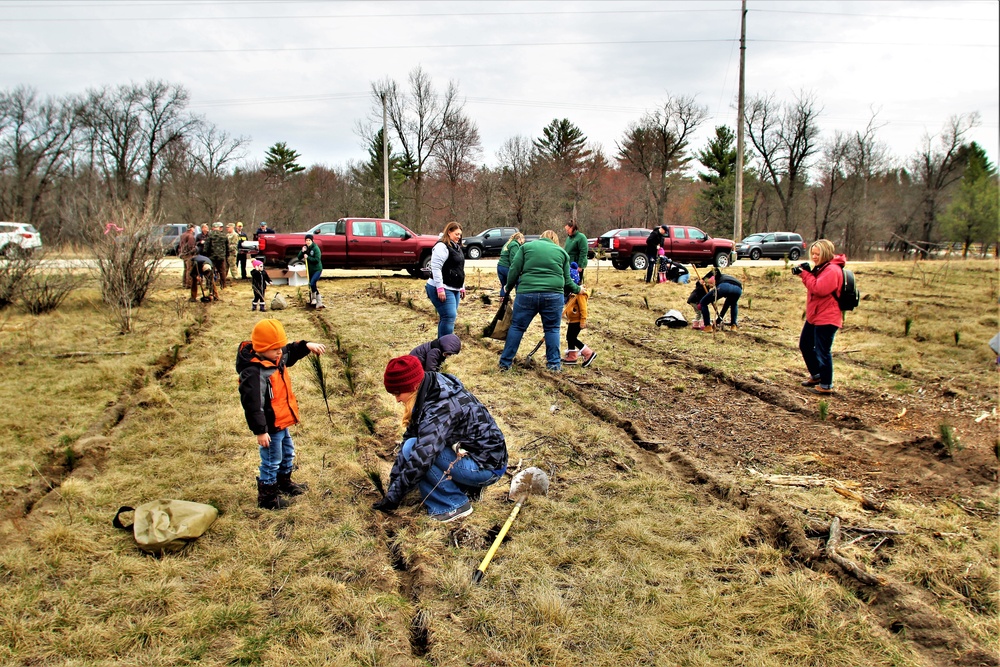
x=477 y=576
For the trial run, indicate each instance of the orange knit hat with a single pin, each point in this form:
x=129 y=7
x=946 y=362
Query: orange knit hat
x=268 y=335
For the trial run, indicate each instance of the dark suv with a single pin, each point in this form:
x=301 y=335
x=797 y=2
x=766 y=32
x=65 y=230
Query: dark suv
x=488 y=242
x=774 y=245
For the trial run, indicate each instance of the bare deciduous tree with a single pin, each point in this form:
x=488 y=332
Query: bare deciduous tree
x=785 y=138
x=656 y=146
x=35 y=140
x=936 y=169
x=420 y=118
x=130 y=128
x=517 y=181
x=456 y=153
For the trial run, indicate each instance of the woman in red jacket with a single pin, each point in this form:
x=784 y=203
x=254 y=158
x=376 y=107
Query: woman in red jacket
x=823 y=317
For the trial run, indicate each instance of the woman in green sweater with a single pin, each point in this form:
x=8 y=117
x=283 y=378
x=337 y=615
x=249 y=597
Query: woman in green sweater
x=540 y=272
x=576 y=246
x=510 y=249
x=314 y=263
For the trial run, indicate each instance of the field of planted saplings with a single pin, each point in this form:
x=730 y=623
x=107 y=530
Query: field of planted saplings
x=703 y=508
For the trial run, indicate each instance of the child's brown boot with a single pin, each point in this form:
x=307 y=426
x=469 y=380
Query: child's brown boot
x=287 y=487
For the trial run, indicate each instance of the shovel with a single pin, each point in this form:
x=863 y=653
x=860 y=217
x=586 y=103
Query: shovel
x=528 y=481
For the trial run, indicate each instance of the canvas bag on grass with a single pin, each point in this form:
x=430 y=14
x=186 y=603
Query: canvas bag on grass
x=497 y=329
x=165 y=526
x=279 y=302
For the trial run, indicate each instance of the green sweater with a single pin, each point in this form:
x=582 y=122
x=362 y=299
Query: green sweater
x=510 y=249
x=541 y=266
x=576 y=248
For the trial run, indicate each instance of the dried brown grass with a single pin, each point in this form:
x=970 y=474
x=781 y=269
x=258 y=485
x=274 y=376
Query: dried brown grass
x=624 y=562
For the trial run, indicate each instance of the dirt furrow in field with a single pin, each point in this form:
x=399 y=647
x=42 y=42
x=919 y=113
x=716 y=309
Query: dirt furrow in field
x=689 y=434
x=84 y=457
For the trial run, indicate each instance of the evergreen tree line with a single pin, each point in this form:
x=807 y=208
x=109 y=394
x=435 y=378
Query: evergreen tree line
x=64 y=160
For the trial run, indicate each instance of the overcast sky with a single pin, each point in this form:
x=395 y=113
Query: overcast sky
x=300 y=71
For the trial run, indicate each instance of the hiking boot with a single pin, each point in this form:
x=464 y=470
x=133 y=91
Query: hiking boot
x=733 y=327
x=572 y=357
x=708 y=329
x=268 y=498
x=811 y=382
x=287 y=487
x=457 y=513
x=588 y=356
x=822 y=391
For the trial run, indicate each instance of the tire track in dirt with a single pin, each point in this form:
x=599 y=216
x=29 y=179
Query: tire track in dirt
x=84 y=457
x=897 y=605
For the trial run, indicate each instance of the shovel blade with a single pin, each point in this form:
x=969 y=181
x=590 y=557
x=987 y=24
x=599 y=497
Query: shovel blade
x=529 y=482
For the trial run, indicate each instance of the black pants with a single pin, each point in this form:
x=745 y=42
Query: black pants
x=650 y=266
x=573 y=341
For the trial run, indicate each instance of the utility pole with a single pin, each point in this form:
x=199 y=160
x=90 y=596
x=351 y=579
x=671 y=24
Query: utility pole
x=385 y=159
x=738 y=207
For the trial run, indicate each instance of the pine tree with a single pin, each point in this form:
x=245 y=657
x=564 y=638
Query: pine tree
x=973 y=212
x=280 y=161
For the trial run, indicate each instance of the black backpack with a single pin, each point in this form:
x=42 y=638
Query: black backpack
x=849 y=297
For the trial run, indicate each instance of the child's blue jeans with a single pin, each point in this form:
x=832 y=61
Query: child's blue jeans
x=277 y=458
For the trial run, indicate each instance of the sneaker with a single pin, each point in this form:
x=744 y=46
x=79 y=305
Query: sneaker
x=822 y=390
x=811 y=382
x=457 y=513
x=504 y=369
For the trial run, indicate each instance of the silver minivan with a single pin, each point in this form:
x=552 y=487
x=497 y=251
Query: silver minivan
x=774 y=245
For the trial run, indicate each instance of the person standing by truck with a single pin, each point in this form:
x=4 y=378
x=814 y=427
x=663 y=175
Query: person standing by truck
x=446 y=286
x=241 y=252
x=576 y=246
x=314 y=263
x=653 y=243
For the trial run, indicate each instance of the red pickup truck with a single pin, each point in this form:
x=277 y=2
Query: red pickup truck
x=687 y=245
x=353 y=243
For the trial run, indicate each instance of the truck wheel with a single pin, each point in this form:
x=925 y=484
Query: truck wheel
x=755 y=254
x=722 y=260
x=794 y=254
x=619 y=264
x=474 y=252
x=639 y=261
x=424 y=270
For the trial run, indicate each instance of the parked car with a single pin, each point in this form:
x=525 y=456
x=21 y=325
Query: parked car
x=169 y=237
x=775 y=245
x=487 y=243
x=687 y=245
x=17 y=237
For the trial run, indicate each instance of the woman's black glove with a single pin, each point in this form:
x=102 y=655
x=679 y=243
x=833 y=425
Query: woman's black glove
x=385 y=506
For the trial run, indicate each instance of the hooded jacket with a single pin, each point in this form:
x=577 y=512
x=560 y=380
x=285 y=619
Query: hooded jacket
x=823 y=284
x=431 y=354
x=445 y=413
x=576 y=309
x=266 y=387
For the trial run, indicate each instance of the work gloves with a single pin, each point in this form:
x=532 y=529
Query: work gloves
x=385 y=506
x=804 y=266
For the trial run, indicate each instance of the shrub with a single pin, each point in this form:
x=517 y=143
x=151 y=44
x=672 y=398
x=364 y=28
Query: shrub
x=42 y=293
x=129 y=259
x=13 y=271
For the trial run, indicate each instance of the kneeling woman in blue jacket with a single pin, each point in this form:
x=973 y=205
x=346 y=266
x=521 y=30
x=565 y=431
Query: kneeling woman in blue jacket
x=452 y=447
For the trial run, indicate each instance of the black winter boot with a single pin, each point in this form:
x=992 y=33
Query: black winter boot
x=268 y=498
x=287 y=487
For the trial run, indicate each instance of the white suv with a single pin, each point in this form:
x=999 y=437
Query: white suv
x=18 y=237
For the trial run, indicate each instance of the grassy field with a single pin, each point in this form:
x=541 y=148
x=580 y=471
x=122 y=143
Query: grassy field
x=693 y=486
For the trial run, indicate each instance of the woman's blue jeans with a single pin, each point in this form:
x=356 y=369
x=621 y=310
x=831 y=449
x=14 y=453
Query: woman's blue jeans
x=816 y=345
x=502 y=272
x=728 y=291
x=278 y=457
x=441 y=494
x=314 y=281
x=447 y=310
x=549 y=305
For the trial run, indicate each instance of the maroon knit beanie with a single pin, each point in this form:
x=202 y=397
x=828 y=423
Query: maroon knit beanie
x=403 y=374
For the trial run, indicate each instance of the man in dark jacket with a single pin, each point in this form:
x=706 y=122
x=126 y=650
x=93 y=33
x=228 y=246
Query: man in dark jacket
x=452 y=447
x=262 y=229
x=653 y=243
